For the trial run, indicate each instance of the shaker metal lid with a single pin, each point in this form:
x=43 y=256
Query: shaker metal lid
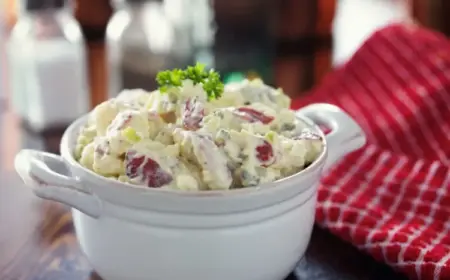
x=34 y=5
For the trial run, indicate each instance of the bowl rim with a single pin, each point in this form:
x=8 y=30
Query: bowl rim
x=67 y=146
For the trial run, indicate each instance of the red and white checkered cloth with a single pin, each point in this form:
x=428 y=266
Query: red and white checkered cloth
x=392 y=198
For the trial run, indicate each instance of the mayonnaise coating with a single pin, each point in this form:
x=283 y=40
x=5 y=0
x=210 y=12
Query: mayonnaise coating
x=180 y=140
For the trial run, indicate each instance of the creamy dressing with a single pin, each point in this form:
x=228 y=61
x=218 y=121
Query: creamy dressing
x=180 y=140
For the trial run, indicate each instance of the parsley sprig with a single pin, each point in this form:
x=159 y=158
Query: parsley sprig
x=210 y=80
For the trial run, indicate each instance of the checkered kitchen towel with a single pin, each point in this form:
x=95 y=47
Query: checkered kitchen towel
x=392 y=198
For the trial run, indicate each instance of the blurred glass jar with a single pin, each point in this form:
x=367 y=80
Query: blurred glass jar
x=245 y=38
x=142 y=39
x=355 y=21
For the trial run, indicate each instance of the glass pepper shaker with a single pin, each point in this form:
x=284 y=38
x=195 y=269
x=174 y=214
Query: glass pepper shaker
x=143 y=39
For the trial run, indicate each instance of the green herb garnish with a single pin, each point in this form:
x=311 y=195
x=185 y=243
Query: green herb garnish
x=210 y=80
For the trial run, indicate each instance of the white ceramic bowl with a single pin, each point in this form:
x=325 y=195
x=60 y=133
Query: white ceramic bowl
x=135 y=233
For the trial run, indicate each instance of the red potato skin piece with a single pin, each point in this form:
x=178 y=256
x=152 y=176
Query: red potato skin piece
x=265 y=154
x=192 y=115
x=150 y=172
x=252 y=115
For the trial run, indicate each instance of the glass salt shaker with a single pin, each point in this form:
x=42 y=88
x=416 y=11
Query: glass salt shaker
x=142 y=39
x=47 y=62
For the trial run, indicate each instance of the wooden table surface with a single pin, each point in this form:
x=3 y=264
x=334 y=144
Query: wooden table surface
x=37 y=240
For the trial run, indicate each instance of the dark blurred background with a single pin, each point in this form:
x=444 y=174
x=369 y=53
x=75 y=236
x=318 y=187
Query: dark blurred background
x=300 y=52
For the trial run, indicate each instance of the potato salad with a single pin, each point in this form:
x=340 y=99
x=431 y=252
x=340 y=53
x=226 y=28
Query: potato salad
x=194 y=133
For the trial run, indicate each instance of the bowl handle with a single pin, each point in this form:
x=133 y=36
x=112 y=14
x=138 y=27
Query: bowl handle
x=345 y=136
x=39 y=171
